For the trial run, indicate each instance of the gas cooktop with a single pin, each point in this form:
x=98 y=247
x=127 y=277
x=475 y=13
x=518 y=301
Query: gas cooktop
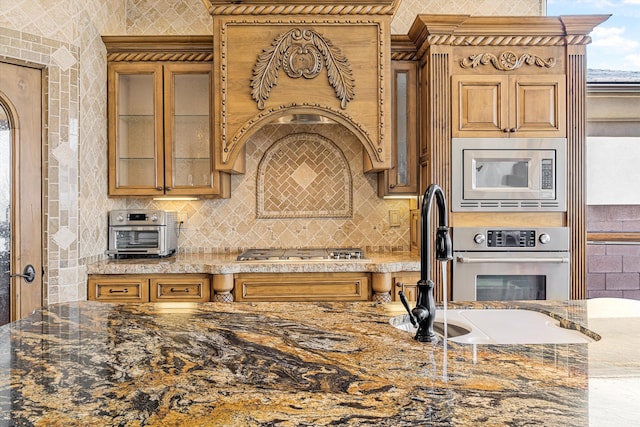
x=302 y=254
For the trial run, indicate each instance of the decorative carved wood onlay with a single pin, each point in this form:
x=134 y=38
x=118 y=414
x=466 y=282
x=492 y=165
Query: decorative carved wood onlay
x=302 y=53
x=506 y=61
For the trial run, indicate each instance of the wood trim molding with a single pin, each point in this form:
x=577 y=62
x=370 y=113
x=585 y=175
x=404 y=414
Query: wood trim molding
x=159 y=48
x=466 y=30
x=622 y=237
x=576 y=159
x=302 y=7
x=403 y=48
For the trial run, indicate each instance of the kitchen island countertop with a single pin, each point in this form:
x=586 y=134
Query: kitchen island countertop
x=303 y=364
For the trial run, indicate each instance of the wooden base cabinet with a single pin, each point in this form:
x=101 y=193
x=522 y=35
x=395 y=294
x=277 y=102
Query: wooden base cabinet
x=143 y=288
x=196 y=288
x=120 y=288
x=302 y=287
x=406 y=282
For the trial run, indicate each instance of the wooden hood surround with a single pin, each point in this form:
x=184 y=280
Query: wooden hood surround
x=329 y=58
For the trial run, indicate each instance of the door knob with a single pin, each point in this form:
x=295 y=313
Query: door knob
x=29 y=274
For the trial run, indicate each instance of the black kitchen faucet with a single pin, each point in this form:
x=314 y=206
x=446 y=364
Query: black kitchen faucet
x=424 y=313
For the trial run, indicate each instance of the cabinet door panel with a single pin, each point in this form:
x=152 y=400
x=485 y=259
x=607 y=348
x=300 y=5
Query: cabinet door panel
x=407 y=283
x=402 y=178
x=189 y=168
x=135 y=133
x=302 y=287
x=538 y=105
x=479 y=105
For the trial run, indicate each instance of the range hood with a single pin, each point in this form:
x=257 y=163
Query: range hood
x=302 y=61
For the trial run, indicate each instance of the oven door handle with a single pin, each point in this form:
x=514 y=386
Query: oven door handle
x=469 y=260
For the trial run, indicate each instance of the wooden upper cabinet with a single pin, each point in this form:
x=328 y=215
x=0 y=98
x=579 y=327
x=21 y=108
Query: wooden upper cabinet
x=160 y=121
x=509 y=106
x=136 y=150
x=402 y=178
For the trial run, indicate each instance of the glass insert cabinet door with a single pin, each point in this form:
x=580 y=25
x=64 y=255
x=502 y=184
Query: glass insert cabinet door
x=136 y=148
x=187 y=112
x=160 y=129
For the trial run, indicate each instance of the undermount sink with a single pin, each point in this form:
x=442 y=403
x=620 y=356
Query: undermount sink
x=495 y=326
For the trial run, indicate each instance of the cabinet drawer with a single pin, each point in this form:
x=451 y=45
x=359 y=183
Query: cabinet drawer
x=121 y=289
x=195 y=289
x=302 y=287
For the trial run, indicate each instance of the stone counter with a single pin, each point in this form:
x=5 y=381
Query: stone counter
x=293 y=364
x=227 y=264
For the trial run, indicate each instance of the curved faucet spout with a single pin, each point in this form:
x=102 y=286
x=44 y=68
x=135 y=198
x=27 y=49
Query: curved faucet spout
x=424 y=313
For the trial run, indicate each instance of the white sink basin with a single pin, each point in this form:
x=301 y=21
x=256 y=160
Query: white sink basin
x=508 y=326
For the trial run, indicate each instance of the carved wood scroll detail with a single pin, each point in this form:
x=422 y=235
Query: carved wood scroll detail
x=506 y=61
x=302 y=53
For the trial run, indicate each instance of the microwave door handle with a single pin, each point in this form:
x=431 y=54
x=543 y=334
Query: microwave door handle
x=470 y=260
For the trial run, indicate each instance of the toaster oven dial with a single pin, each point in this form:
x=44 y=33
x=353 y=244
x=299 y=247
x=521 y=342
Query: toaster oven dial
x=120 y=218
x=544 y=238
x=479 y=238
x=154 y=217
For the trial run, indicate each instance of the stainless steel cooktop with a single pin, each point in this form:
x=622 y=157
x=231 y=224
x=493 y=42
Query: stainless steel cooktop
x=302 y=254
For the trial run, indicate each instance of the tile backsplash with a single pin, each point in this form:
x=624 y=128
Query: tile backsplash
x=233 y=224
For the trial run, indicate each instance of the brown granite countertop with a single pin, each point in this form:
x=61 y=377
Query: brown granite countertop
x=226 y=264
x=308 y=364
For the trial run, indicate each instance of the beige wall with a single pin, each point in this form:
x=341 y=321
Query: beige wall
x=63 y=36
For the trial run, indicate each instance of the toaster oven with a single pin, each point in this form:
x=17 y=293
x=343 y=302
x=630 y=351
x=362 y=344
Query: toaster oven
x=142 y=233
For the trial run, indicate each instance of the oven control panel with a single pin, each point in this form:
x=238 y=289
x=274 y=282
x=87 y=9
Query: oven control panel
x=510 y=239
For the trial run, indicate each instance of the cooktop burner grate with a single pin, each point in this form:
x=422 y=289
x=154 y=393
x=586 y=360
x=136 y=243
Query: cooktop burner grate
x=301 y=254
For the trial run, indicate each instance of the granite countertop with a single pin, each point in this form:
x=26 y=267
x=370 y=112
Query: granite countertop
x=226 y=264
x=303 y=364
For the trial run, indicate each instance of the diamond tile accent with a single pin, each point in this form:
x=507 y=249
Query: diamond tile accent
x=63 y=58
x=304 y=175
x=64 y=154
x=64 y=237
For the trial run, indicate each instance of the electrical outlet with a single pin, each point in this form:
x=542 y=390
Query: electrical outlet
x=394 y=218
x=182 y=217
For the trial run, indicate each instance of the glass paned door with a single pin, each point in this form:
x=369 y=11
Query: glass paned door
x=5 y=216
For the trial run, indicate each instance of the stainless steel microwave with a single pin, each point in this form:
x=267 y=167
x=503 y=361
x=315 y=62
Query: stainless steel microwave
x=509 y=174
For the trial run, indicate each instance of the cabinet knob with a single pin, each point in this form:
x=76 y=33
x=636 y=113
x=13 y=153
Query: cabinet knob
x=513 y=130
x=159 y=188
x=167 y=188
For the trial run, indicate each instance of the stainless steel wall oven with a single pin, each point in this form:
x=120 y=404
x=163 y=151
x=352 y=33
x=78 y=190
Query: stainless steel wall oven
x=510 y=264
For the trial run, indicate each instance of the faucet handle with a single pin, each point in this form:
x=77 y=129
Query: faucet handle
x=405 y=302
x=444 y=250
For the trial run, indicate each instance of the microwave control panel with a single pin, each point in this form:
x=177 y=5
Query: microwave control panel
x=547 y=174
